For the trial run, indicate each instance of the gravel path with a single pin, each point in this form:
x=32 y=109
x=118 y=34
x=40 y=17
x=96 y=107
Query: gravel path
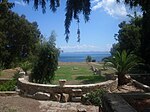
x=20 y=104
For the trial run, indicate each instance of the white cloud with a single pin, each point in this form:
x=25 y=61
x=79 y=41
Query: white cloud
x=83 y=47
x=111 y=7
x=20 y=2
x=94 y=1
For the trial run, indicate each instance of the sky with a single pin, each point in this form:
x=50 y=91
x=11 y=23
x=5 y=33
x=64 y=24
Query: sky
x=96 y=35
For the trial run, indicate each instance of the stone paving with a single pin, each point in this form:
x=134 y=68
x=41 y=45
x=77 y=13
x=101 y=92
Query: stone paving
x=22 y=104
x=51 y=106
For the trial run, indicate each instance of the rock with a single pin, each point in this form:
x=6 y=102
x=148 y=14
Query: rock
x=127 y=78
x=76 y=99
x=22 y=73
x=62 y=82
x=41 y=96
x=56 y=97
x=72 y=109
x=81 y=110
x=65 y=97
x=77 y=92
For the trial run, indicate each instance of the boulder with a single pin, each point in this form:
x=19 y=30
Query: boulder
x=41 y=96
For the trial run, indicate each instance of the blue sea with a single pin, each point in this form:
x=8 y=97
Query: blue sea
x=81 y=56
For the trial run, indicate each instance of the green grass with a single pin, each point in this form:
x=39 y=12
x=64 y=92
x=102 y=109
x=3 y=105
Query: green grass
x=79 y=72
x=74 y=73
x=69 y=71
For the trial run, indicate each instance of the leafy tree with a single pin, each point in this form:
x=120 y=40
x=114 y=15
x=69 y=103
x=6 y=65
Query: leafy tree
x=18 y=37
x=129 y=35
x=115 y=48
x=122 y=63
x=145 y=41
x=47 y=62
x=88 y=59
x=130 y=38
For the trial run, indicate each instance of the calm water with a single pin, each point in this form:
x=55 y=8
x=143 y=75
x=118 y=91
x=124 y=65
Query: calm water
x=81 y=56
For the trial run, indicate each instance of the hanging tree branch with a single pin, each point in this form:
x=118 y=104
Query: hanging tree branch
x=73 y=9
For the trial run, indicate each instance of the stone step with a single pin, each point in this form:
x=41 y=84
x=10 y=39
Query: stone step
x=76 y=99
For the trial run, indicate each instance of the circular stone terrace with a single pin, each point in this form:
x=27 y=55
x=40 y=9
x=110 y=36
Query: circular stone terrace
x=61 y=93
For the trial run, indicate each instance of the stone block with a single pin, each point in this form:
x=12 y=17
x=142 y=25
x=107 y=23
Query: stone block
x=41 y=96
x=76 y=99
x=65 y=97
x=82 y=110
x=56 y=97
x=77 y=92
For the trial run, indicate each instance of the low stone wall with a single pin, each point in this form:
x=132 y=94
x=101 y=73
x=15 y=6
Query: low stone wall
x=8 y=93
x=115 y=103
x=29 y=89
x=120 y=102
x=4 y=80
x=141 y=86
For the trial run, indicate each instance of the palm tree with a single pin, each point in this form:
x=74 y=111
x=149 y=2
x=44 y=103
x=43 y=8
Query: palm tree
x=122 y=63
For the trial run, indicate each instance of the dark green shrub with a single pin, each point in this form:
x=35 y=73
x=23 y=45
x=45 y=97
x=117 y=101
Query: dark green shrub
x=8 y=86
x=25 y=66
x=47 y=62
x=94 y=97
x=88 y=59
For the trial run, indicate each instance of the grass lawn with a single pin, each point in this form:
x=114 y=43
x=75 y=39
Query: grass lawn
x=74 y=73
x=78 y=73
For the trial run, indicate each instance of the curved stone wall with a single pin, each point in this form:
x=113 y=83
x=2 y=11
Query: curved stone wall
x=28 y=89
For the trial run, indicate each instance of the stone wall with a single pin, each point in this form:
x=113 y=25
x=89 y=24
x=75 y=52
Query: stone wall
x=29 y=89
x=4 y=80
x=115 y=103
x=141 y=86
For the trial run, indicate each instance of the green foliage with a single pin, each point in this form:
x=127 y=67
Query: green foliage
x=47 y=62
x=18 y=37
x=8 y=86
x=88 y=59
x=129 y=36
x=122 y=63
x=25 y=66
x=145 y=41
x=94 y=97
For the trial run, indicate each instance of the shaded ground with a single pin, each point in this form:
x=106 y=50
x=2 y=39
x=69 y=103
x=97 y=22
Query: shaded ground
x=140 y=104
x=129 y=88
x=20 y=104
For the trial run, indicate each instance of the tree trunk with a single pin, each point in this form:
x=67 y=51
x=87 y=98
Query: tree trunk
x=121 y=79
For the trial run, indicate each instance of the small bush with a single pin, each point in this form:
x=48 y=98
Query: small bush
x=88 y=59
x=25 y=66
x=8 y=86
x=94 y=97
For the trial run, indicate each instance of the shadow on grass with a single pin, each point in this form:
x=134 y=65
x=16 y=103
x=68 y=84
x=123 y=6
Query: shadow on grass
x=91 y=79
